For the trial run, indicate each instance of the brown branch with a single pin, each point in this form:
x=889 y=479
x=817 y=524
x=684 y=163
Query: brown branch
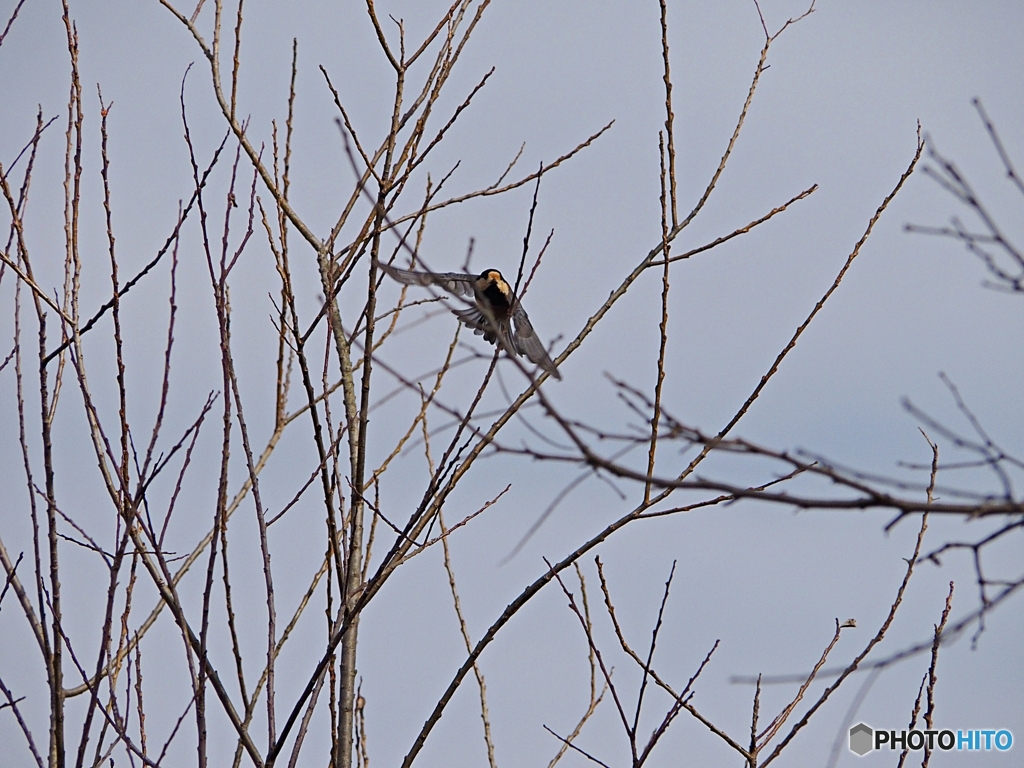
x=817 y=307
x=595 y=697
x=776 y=725
x=10 y=21
x=853 y=666
x=13 y=704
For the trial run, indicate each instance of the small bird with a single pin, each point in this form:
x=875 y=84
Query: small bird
x=496 y=309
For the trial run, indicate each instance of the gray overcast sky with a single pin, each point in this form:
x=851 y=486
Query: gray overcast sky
x=838 y=106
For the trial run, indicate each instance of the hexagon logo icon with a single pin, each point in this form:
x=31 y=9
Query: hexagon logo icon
x=861 y=738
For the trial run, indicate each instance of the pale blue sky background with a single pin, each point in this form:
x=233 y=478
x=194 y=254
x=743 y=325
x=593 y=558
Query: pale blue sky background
x=838 y=107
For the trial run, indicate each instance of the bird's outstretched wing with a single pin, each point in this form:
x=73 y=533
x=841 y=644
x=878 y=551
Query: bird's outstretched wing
x=528 y=344
x=457 y=284
x=490 y=328
x=454 y=282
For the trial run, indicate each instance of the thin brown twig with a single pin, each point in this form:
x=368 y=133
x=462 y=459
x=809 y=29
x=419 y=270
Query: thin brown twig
x=669 y=131
x=457 y=603
x=567 y=744
x=22 y=724
x=10 y=21
x=817 y=307
x=595 y=697
x=932 y=676
x=605 y=671
x=776 y=725
x=853 y=666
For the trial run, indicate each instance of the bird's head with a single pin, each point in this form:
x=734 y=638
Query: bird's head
x=492 y=277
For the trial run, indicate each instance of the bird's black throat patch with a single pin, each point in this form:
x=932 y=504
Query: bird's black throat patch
x=497 y=300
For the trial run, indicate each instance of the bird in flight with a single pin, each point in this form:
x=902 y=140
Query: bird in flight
x=495 y=312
